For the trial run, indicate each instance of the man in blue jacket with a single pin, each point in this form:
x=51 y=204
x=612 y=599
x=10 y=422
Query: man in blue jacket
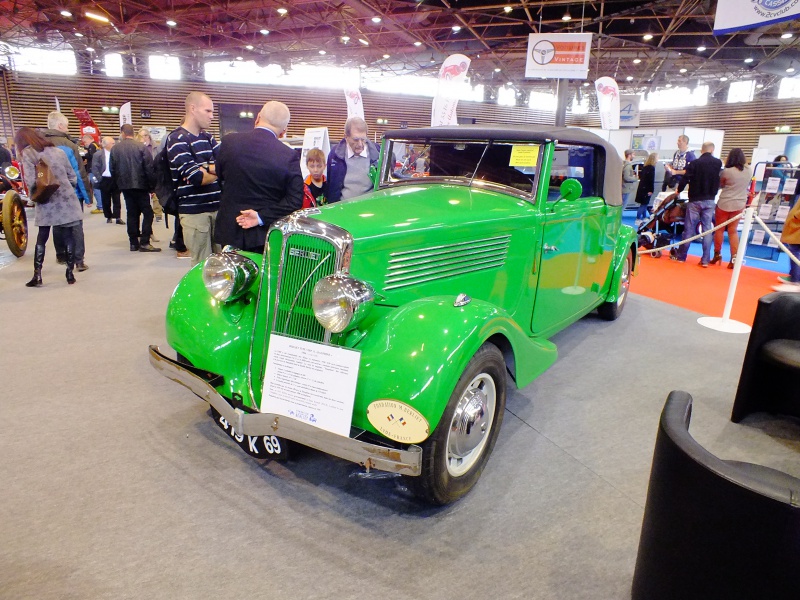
x=350 y=161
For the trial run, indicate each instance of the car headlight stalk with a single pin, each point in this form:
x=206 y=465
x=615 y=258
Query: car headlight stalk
x=341 y=302
x=228 y=275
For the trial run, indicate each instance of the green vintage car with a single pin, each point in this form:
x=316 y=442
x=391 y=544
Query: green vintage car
x=383 y=330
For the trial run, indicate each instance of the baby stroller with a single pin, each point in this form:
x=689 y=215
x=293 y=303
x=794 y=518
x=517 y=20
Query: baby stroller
x=665 y=225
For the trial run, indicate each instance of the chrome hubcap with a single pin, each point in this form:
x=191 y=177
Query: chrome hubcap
x=472 y=421
x=624 y=282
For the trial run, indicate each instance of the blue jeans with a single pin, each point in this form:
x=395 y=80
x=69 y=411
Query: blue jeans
x=794 y=270
x=98 y=198
x=641 y=212
x=627 y=197
x=698 y=212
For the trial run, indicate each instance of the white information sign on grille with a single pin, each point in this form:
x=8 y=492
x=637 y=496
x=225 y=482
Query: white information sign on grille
x=310 y=382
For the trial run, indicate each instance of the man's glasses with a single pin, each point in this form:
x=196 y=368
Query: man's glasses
x=359 y=140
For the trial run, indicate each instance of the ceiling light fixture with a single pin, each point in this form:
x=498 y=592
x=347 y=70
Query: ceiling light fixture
x=418 y=44
x=96 y=17
x=759 y=85
x=363 y=41
x=282 y=12
x=497 y=69
x=669 y=85
x=89 y=49
x=636 y=61
x=585 y=84
x=345 y=39
x=376 y=19
x=647 y=37
x=385 y=56
x=66 y=13
x=723 y=78
x=683 y=70
x=249 y=47
x=701 y=48
x=567 y=16
x=264 y=32
x=78 y=34
x=432 y=59
x=171 y=23
x=322 y=52
x=629 y=78
x=790 y=70
x=787 y=36
x=239 y=58
x=456 y=28
x=507 y=9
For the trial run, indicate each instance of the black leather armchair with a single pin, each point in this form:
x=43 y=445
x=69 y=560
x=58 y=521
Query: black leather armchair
x=770 y=379
x=714 y=529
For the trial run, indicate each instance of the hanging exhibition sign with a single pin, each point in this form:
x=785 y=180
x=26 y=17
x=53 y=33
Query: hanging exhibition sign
x=608 y=102
x=355 y=105
x=558 y=55
x=314 y=137
x=453 y=72
x=735 y=15
x=629 y=110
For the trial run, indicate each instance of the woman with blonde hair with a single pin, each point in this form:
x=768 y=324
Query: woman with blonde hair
x=62 y=210
x=647 y=177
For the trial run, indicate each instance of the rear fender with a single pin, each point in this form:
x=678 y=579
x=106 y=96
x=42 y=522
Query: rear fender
x=626 y=243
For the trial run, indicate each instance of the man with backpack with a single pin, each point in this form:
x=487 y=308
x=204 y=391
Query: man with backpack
x=192 y=153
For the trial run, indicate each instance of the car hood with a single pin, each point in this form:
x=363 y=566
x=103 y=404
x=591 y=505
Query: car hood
x=413 y=241
x=407 y=215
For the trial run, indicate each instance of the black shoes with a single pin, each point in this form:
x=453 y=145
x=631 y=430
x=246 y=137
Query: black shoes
x=148 y=248
x=108 y=220
x=134 y=247
x=120 y=222
x=81 y=266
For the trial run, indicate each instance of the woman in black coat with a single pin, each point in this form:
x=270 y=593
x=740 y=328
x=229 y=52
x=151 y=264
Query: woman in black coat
x=647 y=178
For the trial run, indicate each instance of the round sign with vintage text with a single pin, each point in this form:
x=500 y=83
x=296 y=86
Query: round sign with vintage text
x=398 y=421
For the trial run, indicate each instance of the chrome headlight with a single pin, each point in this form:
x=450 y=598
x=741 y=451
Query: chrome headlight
x=341 y=301
x=12 y=172
x=228 y=275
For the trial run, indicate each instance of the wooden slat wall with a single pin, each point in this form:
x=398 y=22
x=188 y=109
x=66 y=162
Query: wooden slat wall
x=32 y=97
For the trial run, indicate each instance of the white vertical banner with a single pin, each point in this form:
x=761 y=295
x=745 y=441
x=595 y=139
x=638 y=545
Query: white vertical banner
x=451 y=76
x=629 y=110
x=355 y=105
x=608 y=102
x=314 y=137
x=125 y=114
x=735 y=15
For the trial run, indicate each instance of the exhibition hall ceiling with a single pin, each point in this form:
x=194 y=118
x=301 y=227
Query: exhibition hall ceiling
x=410 y=36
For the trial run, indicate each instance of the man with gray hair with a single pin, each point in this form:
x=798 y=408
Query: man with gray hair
x=58 y=133
x=350 y=162
x=262 y=181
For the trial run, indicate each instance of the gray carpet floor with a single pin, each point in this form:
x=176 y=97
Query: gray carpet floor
x=115 y=483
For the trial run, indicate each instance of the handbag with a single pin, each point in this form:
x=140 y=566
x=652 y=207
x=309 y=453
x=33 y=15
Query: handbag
x=46 y=182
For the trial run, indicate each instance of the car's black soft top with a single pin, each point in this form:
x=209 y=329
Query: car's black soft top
x=612 y=184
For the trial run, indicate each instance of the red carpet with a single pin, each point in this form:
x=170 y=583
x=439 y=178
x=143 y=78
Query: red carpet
x=702 y=290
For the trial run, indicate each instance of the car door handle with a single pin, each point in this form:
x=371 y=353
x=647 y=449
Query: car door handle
x=550 y=248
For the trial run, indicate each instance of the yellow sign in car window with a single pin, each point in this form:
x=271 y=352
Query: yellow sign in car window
x=524 y=156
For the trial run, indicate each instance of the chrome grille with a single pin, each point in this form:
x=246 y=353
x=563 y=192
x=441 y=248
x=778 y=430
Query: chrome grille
x=305 y=261
x=413 y=267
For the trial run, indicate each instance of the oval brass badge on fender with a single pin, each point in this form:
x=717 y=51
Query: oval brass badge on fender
x=398 y=421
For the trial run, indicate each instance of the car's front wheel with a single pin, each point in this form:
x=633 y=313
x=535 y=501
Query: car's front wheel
x=610 y=311
x=454 y=456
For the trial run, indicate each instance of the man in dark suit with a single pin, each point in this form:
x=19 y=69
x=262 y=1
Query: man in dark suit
x=101 y=171
x=261 y=180
x=132 y=172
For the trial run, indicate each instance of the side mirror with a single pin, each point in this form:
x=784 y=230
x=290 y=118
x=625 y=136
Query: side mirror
x=570 y=189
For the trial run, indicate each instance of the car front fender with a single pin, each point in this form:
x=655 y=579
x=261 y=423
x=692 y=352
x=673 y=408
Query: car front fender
x=417 y=353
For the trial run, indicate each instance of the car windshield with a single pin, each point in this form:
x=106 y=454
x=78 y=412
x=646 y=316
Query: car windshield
x=508 y=164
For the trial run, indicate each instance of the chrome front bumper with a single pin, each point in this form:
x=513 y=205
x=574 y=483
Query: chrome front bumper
x=370 y=456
